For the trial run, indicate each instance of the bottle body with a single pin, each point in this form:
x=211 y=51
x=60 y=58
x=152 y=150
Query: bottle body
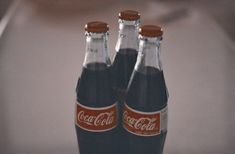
x=94 y=91
x=145 y=109
x=96 y=107
x=122 y=69
x=146 y=93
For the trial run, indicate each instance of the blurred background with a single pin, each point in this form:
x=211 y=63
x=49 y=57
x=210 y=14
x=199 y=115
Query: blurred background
x=42 y=47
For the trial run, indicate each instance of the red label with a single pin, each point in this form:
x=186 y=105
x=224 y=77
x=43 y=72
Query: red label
x=96 y=119
x=141 y=123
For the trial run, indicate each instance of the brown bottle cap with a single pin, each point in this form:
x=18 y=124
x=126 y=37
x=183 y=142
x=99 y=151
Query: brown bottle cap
x=150 y=31
x=129 y=15
x=97 y=27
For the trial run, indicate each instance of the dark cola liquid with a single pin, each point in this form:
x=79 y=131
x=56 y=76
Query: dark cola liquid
x=122 y=69
x=94 y=89
x=147 y=93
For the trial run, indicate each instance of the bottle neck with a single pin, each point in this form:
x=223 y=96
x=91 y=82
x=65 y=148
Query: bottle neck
x=128 y=35
x=96 y=49
x=149 y=54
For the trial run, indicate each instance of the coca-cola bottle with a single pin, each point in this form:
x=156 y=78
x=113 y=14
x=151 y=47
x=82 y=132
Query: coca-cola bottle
x=126 y=51
x=124 y=62
x=96 y=110
x=145 y=109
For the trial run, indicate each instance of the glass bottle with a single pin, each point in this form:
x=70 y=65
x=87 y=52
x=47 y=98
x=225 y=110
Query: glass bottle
x=126 y=51
x=96 y=109
x=145 y=109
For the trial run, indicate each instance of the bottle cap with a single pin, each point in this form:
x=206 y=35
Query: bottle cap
x=129 y=15
x=150 y=31
x=97 y=27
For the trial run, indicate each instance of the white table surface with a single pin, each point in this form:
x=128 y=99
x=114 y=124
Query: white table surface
x=41 y=53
